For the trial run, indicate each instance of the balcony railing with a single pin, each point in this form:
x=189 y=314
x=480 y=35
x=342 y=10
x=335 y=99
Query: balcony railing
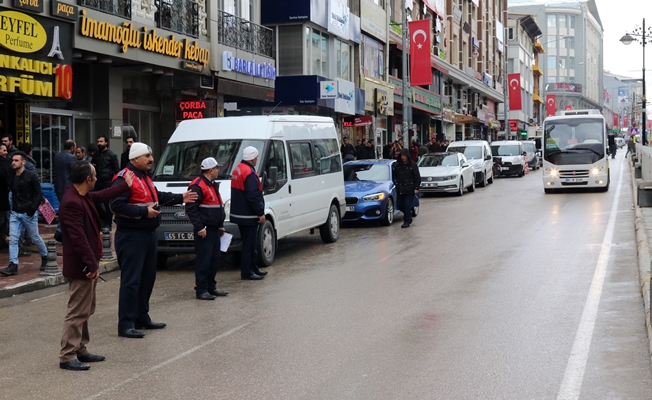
x=181 y=16
x=121 y=8
x=242 y=34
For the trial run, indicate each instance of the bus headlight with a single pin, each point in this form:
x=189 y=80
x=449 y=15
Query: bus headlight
x=596 y=170
x=552 y=172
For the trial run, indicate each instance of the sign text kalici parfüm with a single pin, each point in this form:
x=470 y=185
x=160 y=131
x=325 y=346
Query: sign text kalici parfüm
x=126 y=35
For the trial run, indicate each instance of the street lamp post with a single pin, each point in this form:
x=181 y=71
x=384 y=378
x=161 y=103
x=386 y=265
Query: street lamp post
x=628 y=39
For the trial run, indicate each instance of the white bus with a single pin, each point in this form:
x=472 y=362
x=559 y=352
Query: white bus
x=575 y=151
x=300 y=168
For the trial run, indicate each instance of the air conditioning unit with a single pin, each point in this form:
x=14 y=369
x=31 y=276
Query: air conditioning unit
x=530 y=121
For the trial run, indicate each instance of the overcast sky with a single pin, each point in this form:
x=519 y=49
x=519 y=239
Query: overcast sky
x=619 y=17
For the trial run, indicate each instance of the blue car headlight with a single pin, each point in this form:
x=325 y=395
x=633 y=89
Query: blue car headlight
x=374 y=197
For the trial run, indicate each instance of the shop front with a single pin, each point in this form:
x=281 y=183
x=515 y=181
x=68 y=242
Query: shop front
x=36 y=82
x=426 y=109
x=379 y=104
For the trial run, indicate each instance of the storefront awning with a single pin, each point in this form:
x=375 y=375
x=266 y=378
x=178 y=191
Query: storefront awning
x=467 y=119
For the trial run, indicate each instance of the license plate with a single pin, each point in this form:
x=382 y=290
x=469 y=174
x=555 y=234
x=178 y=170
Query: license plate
x=504 y=168
x=179 y=236
x=574 y=180
x=350 y=208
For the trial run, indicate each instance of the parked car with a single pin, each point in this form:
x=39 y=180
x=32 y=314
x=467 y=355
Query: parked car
x=620 y=142
x=533 y=157
x=446 y=172
x=370 y=192
x=478 y=154
x=512 y=157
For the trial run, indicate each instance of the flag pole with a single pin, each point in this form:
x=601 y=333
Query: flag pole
x=406 y=80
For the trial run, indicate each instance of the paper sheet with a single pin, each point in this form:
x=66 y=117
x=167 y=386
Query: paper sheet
x=225 y=241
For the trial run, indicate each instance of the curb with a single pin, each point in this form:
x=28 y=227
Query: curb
x=644 y=257
x=48 y=281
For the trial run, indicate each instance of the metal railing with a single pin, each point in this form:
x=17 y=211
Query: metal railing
x=121 y=8
x=181 y=16
x=245 y=35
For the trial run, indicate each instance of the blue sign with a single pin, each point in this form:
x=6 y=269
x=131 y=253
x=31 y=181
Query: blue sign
x=271 y=12
x=231 y=63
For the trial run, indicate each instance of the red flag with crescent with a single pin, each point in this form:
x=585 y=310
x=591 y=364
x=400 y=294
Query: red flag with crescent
x=616 y=120
x=515 y=101
x=420 y=69
x=625 y=121
x=551 y=105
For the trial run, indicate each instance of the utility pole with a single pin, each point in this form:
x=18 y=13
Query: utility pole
x=406 y=80
x=508 y=129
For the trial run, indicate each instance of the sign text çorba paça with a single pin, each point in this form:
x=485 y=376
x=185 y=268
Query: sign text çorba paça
x=127 y=36
x=23 y=34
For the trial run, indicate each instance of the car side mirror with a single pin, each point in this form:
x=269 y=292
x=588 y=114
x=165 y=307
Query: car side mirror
x=488 y=157
x=272 y=177
x=538 y=154
x=464 y=165
x=524 y=154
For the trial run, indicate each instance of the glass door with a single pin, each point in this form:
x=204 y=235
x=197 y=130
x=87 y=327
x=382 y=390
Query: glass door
x=48 y=134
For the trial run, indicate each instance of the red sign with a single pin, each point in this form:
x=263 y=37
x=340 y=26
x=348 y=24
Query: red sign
x=420 y=69
x=357 y=121
x=616 y=120
x=625 y=121
x=551 y=105
x=193 y=109
x=649 y=124
x=568 y=107
x=513 y=125
x=515 y=101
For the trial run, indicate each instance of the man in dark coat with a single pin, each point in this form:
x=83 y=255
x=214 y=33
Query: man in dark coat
x=347 y=150
x=64 y=161
x=361 y=150
x=407 y=180
x=82 y=250
x=371 y=150
x=124 y=158
x=106 y=166
x=248 y=211
x=4 y=196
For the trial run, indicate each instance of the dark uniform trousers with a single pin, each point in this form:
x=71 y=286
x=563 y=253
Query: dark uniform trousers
x=136 y=251
x=405 y=203
x=249 y=253
x=207 y=259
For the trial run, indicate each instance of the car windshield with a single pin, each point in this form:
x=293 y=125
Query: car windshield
x=182 y=160
x=366 y=172
x=505 y=150
x=471 y=152
x=438 y=160
x=529 y=147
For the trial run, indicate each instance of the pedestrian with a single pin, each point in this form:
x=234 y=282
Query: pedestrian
x=106 y=165
x=347 y=150
x=137 y=216
x=407 y=180
x=248 y=211
x=30 y=163
x=5 y=165
x=80 y=153
x=64 y=161
x=26 y=198
x=82 y=250
x=414 y=151
x=423 y=150
x=388 y=151
x=361 y=150
x=371 y=150
x=611 y=139
x=124 y=158
x=8 y=141
x=91 y=150
x=207 y=217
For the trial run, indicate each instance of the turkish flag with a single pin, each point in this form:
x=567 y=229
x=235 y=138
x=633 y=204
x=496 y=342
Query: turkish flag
x=649 y=124
x=616 y=120
x=625 y=121
x=420 y=69
x=515 y=101
x=551 y=105
x=568 y=107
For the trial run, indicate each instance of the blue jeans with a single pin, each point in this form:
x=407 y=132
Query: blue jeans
x=405 y=203
x=18 y=222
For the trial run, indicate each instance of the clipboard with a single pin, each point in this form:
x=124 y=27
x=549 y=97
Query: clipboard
x=225 y=242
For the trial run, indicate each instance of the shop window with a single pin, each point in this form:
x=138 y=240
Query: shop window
x=318 y=59
x=180 y=16
x=290 y=50
x=343 y=54
x=121 y=8
x=552 y=62
x=552 y=21
x=373 y=58
x=48 y=134
x=144 y=126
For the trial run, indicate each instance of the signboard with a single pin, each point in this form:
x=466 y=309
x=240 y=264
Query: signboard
x=370 y=86
x=64 y=11
x=38 y=56
x=345 y=101
x=29 y=5
x=194 y=109
x=328 y=90
x=513 y=125
x=338 y=19
x=252 y=68
x=373 y=20
x=564 y=87
x=358 y=121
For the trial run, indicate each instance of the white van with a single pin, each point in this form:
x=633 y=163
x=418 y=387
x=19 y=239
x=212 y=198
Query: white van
x=512 y=156
x=478 y=153
x=299 y=164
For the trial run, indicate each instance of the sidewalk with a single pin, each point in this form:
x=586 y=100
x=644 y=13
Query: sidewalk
x=28 y=278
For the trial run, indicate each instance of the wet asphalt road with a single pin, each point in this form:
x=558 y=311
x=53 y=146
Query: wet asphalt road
x=488 y=296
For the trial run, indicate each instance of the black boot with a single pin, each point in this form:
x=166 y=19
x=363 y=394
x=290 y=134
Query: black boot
x=44 y=262
x=12 y=269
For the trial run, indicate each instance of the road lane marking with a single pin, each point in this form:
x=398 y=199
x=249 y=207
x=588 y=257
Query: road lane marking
x=169 y=361
x=47 y=297
x=571 y=386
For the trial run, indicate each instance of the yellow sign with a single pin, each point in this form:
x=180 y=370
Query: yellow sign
x=21 y=33
x=127 y=36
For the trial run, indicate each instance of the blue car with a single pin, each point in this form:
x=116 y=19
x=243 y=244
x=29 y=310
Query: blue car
x=370 y=192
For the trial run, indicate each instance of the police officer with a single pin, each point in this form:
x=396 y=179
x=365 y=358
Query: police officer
x=137 y=216
x=207 y=217
x=248 y=211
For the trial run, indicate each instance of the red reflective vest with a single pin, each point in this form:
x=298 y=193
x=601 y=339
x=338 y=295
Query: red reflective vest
x=143 y=192
x=240 y=174
x=210 y=197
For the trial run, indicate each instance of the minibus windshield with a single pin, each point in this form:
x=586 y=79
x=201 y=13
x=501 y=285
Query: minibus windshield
x=182 y=160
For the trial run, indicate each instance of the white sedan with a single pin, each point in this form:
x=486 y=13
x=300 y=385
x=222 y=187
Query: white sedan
x=446 y=172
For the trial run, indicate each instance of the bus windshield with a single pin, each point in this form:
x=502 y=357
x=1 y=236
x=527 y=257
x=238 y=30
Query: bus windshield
x=181 y=161
x=578 y=140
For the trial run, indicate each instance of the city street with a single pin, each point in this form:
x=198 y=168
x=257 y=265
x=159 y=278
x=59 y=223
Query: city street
x=505 y=293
